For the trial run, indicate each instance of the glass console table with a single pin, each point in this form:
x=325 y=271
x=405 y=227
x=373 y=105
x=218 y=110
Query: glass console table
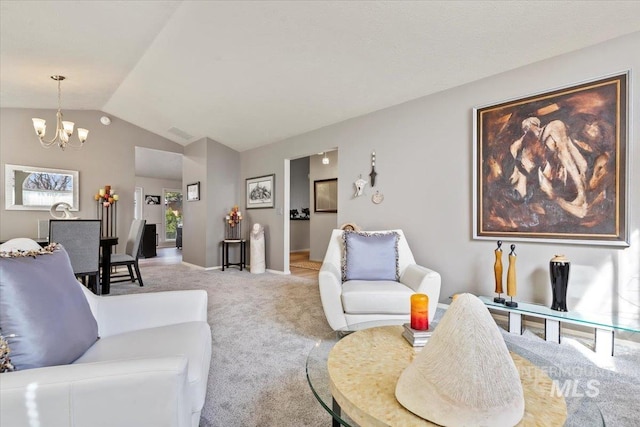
x=381 y=343
x=603 y=325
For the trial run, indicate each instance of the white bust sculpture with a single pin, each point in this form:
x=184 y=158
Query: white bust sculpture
x=256 y=243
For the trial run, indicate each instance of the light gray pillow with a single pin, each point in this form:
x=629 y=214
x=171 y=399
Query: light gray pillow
x=370 y=256
x=42 y=304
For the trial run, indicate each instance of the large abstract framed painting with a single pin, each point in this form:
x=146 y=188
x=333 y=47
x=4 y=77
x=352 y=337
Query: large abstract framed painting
x=261 y=192
x=553 y=166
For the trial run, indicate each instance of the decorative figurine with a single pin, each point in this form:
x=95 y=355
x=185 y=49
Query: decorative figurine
x=373 y=173
x=377 y=198
x=293 y=213
x=559 y=273
x=306 y=213
x=497 y=269
x=65 y=209
x=511 y=278
x=360 y=183
x=258 y=264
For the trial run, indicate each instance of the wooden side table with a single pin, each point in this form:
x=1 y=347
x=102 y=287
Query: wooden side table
x=225 y=253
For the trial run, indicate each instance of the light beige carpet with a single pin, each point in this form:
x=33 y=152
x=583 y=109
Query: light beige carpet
x=264 y=325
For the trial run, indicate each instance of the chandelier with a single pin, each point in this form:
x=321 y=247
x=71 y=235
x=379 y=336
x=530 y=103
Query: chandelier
x=64 y=129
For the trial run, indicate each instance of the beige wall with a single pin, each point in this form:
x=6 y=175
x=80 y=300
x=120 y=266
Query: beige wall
x=424 y=162
x=108 y=158
x=216 y=167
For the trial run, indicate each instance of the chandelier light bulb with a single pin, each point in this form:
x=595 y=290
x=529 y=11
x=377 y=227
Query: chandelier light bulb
x=68 y=127
x=40 y=126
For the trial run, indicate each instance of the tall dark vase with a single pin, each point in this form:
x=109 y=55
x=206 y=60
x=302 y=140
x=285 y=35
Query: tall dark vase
x=559 y=273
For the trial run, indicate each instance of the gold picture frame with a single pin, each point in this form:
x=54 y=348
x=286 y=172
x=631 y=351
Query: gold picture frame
x=553 y=166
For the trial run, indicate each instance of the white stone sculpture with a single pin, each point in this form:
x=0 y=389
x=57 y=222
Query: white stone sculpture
x=256 y=243
x=464 y=376
x=66 y=211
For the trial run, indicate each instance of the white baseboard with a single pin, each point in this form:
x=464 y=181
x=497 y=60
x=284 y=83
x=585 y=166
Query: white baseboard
x=199 y=267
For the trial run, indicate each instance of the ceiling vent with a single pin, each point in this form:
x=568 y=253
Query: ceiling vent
x=179 y=132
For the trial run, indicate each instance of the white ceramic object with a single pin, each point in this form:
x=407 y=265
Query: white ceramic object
x=257 y=260
x=359 y=185
x=377 y=198
x=66 y=211
x=465 y=375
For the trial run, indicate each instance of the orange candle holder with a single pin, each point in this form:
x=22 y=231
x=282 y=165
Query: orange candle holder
x=419 y=312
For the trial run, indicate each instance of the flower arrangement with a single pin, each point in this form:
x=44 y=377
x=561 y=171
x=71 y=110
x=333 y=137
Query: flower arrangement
x=106 y=196
x=234 y=217
x=232 y=224
x=5 y=360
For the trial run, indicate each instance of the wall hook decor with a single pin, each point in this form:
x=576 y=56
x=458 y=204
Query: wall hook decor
x=373 y=173
x=359 y=184
x=377 y=198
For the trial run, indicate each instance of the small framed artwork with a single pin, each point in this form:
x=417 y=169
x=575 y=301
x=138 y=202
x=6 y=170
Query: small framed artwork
x=325 y=195
x=553 y=166
x=152 y=200
x=261 y=192
x=193 y=192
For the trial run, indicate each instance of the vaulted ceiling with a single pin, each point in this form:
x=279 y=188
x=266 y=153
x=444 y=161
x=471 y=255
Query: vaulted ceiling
x=249 y=73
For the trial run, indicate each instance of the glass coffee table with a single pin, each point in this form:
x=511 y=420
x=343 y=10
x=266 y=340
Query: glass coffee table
x=387 y=351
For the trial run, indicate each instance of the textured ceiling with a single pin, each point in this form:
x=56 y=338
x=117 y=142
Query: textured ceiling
x=251 y=73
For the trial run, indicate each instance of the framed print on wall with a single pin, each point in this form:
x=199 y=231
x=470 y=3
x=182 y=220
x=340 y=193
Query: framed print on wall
x=151 y=199
x=261 y=192
x=553 y=166
x=193 y=192
x=325 y=195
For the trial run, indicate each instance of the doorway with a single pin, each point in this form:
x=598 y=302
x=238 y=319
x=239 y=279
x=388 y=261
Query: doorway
x=137 y=203
x=172 y=219
x=307 y=232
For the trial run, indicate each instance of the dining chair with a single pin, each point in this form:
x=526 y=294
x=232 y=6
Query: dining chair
x=81 y=240
x=130 y=255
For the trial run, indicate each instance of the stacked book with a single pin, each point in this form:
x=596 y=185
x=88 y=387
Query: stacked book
x=415 y=337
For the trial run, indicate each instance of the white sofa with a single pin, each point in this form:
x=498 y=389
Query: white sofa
x=149 y=367
x=356 y=301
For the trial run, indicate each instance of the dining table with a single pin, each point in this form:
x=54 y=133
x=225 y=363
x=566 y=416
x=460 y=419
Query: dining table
x=106 y=243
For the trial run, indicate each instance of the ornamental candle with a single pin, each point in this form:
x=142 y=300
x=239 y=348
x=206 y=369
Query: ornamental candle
x=419 y=312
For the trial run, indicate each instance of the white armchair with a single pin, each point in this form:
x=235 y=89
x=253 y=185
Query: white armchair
x=356 y=301
x=150 y=367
